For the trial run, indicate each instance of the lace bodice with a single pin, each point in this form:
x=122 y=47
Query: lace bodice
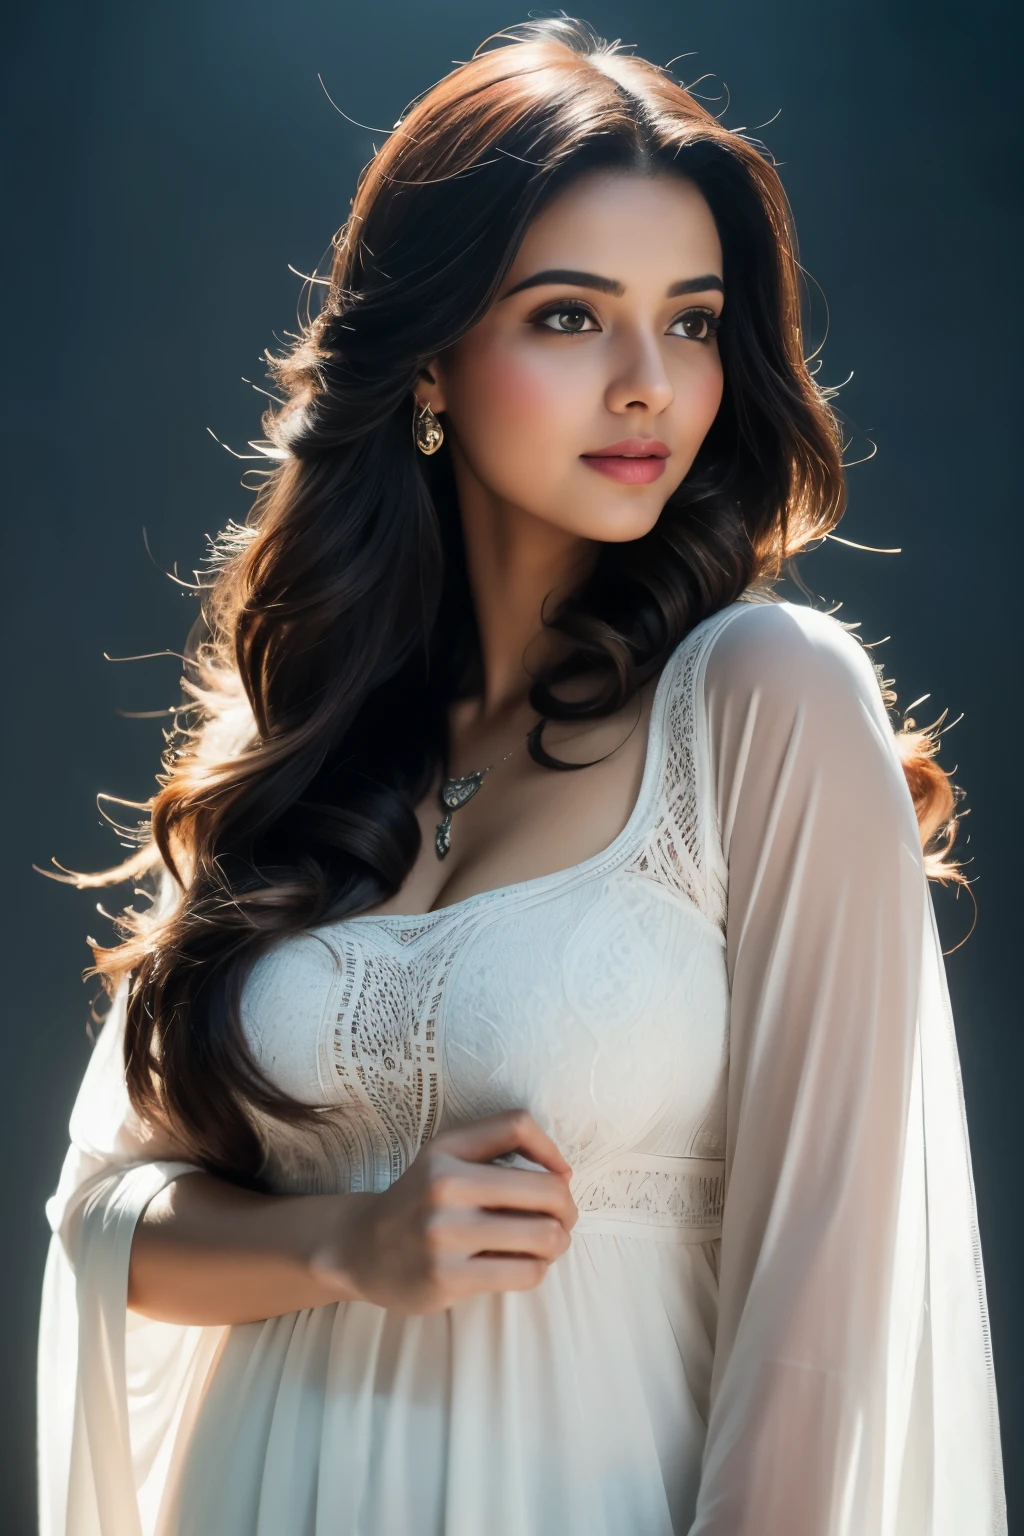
x=596 y=997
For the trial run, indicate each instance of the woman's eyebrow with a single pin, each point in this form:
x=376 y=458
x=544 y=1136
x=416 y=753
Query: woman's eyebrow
x=609 y=284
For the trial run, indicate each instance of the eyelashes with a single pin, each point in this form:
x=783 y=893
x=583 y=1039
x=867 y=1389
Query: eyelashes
x=696 y=315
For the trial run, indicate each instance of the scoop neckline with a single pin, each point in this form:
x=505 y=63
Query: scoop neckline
x=653 y=758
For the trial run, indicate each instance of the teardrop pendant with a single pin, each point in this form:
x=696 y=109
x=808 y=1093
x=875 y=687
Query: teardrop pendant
x=455 y=793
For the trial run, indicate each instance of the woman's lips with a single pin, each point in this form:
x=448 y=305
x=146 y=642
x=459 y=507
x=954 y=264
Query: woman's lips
x=628 y=471
x=632 y=461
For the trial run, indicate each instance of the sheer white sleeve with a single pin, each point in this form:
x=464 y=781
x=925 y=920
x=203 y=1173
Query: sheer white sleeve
x=853 y=1391
x=114 y=1388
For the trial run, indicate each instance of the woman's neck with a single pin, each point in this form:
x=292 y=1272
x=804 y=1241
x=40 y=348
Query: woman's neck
x=519 y=566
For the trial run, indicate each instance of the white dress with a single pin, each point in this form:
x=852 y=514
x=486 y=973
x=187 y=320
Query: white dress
x=734 y=1024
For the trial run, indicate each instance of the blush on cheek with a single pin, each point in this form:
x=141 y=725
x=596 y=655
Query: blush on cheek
x=509 y=407
x=698 y=407
x=708 y=397
x=516 y=392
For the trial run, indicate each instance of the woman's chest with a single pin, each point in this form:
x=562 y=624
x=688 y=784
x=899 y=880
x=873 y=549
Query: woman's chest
x=602 y=1008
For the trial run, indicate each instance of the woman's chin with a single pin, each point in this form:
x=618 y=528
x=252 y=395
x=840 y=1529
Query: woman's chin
x=620 y=524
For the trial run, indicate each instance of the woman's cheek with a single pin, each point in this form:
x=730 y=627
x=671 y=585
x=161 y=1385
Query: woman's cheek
x=525 y=395
x=704 y=401
x=514 y=417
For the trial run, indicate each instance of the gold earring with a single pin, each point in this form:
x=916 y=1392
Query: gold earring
x=427 y=432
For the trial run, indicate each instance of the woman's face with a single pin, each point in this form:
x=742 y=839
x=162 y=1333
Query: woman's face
x=601 y=345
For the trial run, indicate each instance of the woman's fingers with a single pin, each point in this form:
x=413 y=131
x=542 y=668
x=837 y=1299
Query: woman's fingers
x=482 y=1233
x=456 y=1223
x=506 y=1189
x=497 y=1274
x=512 y=1131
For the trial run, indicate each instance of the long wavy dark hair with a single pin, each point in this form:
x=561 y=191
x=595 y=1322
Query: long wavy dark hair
x=338 y=626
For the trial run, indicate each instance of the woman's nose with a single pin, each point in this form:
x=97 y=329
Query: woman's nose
x=640 y=378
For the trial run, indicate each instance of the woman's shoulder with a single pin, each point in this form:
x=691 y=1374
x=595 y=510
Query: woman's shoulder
x=768 y=683
x=784 y=654
x=791 y=697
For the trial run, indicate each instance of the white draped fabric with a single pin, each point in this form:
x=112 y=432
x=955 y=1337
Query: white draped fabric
x=734 y=1023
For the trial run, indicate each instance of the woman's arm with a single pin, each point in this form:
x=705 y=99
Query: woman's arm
x=208 y=1252
x=817 y=1426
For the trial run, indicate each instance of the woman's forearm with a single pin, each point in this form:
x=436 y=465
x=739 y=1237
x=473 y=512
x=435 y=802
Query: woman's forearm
x=206 y=1251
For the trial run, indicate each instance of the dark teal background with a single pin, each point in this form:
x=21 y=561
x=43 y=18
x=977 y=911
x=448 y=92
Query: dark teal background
x=163 y=166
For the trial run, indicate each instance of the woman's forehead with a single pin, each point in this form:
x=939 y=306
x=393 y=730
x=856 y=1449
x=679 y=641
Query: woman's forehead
x=622 y=223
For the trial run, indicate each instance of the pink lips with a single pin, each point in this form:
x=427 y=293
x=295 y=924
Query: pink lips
x=634 y=461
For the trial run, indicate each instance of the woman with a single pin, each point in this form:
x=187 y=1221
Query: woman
x=530 y=1104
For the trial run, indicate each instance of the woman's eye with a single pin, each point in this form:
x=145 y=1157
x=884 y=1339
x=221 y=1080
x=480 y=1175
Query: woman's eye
x=572 y=320
x=699 y=324
x=576 y=317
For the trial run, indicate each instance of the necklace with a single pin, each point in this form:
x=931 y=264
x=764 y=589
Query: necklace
x=455 y=793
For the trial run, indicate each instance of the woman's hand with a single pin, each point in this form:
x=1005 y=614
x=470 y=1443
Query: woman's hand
x=454 y=1224
x=208 y=1252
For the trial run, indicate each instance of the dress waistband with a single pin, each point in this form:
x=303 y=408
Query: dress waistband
x=678 y=1199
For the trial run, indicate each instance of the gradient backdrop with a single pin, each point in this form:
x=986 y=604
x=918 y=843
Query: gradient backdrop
x=165 y=164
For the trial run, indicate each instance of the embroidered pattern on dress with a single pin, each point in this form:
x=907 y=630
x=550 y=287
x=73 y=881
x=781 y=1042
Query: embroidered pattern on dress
x=664 y=1191
x=384 y=1050
x=673 y=852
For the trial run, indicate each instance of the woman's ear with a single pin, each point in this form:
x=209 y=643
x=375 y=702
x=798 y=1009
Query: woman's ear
x=429 y=387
